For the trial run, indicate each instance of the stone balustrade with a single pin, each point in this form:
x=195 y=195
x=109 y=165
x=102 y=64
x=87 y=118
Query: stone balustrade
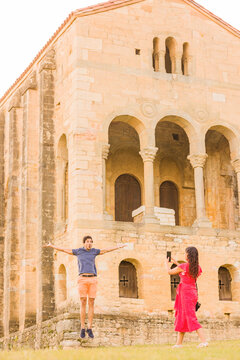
x=164 y=215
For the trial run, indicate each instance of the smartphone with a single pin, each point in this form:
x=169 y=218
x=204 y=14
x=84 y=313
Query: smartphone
x=169 y=255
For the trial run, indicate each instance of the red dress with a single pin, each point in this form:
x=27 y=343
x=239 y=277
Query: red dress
x=186 y=299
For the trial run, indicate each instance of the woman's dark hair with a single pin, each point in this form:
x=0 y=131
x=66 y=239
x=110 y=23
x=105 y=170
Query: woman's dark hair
x=192 y=256
x=86 y=237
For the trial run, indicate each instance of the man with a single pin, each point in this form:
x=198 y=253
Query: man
x=87 y=280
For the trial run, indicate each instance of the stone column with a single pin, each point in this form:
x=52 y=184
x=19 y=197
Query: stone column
x=29 y=204
x=105 y=152
x=148 y=156
x=178 y=59
x=2 y=217
x=189 y=65
x=162 y=68
x=45 y=275
x=236 y=166
x=197 y=161
x=11 y=246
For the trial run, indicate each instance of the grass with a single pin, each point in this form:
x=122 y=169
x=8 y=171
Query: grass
x=225 y=350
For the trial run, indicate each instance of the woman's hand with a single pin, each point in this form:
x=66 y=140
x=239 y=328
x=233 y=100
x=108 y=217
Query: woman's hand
x=175 y=262
x=167 y=263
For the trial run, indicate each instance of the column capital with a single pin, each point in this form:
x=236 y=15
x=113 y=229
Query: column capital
x=149 y=153
x=105 y=151
x=30 y=83
x=197 y=160
x=236 y=165
x=15 y=101
x=48 y=62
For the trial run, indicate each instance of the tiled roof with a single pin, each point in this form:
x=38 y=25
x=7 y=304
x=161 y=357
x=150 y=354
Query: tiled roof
x=106 y=6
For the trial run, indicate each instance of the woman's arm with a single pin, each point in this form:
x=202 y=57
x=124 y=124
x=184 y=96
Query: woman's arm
x=175 y=262
x=67 y=251
x=175 y=271
x=104 y=251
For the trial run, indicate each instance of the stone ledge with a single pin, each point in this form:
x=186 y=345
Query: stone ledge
x=114 y=330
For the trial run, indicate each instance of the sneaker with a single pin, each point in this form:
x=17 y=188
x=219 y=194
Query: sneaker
x=90 y=333
x=202 y=345
x=176 y=346
x=82 y=334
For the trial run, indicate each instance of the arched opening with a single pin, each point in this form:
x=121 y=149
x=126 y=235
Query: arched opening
x=124 y=172
x=170 y=55
x=128 y=285
x=62 y=183
x=61 y=284
x=156 y=50
x=224 y=284
x=185 y=59
x=127 y=197
x=174 y=175
x=168 y=62
x=169 y=198
x=174 y=282
x=221 y=192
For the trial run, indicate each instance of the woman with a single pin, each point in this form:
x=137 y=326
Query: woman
x=186 y=297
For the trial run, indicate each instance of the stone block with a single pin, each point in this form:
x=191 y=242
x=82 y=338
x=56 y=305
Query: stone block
x=88 y=43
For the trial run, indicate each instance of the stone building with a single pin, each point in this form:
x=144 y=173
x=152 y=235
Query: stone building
x=125 y=126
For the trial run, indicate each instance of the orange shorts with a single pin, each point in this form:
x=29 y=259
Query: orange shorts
x=87 y=286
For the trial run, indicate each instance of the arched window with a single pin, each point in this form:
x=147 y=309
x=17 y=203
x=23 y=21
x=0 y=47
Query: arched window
x=185 y=59
x=61 y=284
x=169 y=198
x=170 y=55
x=224 y=284
x=174 y=281
x=128 y=287
x=62 y=180
x=156 y=54
x=127 y=197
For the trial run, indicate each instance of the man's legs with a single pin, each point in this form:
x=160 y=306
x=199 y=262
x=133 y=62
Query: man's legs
x=90 y=312
x=83 y=311
x=91 y=297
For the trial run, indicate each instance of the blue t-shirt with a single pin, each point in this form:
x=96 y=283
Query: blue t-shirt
x=86 y=260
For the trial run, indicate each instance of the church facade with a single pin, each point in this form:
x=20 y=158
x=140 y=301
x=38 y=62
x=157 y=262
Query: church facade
x=126 y=127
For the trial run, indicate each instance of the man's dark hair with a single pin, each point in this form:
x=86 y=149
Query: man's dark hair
x=86 y=237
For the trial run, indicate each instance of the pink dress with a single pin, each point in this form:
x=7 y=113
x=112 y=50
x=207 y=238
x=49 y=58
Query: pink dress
x=186 y=299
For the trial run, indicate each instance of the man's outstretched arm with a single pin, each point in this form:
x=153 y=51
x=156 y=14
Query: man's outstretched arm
x=67 y=251
x=104 y=251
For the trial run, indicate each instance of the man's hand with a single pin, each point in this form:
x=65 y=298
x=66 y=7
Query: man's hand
x=104 y=251
x=48 y=245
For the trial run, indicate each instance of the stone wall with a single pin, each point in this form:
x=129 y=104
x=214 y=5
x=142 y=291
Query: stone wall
x=11 y=248
x=29 y=205
x=2 y=217
x=146 y=250
x=47 y=187
x=114 y=330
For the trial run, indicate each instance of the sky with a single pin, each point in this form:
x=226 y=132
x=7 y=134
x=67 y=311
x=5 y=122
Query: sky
x=26 y=26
